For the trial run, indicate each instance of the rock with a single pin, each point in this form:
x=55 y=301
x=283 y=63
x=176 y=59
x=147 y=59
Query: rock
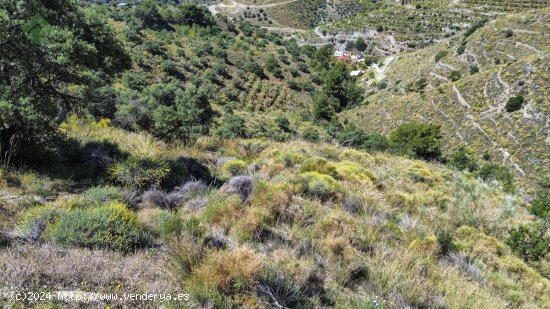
x=242 y=186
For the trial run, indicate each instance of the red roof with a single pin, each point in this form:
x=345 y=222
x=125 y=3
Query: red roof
x=343 y=58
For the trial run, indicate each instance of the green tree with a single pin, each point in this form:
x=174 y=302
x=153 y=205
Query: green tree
x=271 y=63
x=190 y=14
x=147 y=12
x=322 y=58
x=80 y=51
x=514 y=103
x=360 y=44
x=189 y=116
x=233 y=126
x=417 y=140
x=339 y=84
x=324 y=106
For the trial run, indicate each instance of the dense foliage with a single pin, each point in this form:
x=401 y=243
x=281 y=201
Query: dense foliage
x=42 y=81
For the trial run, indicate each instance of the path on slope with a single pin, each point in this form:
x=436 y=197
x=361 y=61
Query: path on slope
x=380 y=72
x=505 y=154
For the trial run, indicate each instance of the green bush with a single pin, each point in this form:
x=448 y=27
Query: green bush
x=514 y=103
x=498 y=173
x=311 y=134
x=283 y=123
x=233 y=168
x=190 y=14
x=464 y=159
x=320 y=186
x=445 y=241
x=37 y=219
x=508 y=33
x=102 y=195
x=188 y=116
x=529 y=242
x=324 y=106
x=135 y=173
x=233 y=126
x=540 y=206
x=357 y=138
x=455 y=75
x=169 y=224
x=440 y=55
x=318 y=165
x=107 y=227
x=474 y=69
x=417 y=140
x=474 y=27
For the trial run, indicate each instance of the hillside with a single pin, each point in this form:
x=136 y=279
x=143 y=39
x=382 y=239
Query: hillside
x=246 y=72
x=294 y=224
x=506 y=58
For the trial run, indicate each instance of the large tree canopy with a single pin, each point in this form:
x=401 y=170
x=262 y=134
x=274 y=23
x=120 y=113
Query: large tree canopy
x=41 y=81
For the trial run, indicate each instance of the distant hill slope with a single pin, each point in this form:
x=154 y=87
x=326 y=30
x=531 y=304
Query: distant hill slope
x=504 y=61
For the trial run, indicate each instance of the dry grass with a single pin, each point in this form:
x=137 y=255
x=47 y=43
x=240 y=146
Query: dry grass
x=31 y=267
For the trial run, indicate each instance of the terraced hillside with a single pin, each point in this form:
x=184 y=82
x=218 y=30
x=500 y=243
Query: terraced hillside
x=506 y=5
x=248 y=72
x=409 y=25
x=489 y=89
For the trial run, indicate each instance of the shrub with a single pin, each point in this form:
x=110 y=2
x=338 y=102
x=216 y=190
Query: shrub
x=280 y=290
x=233 y=167
x=190 y=115
x=475 y=26
x=440 y=55
x=190 y=14
x=155 y=198
x=111 y=227
x=455 y=75
x=508 y=33
x=464 y=159
x=498 y=173
x=357 y=138
x=474 y=69
x=170 y=224
x=318 y=165
x=290 y=159
x=37 y=219
x=189 y=190
x=445 y=241
x=320 y=186
x=514 y=103
x=283 y=123
x=311 y=134
x=540 y=206
x=529 y=242
x=417 y=140
x=102 y=195
x=135 y=173
x=233 y=126
x=324 y=106
x=351 y=171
